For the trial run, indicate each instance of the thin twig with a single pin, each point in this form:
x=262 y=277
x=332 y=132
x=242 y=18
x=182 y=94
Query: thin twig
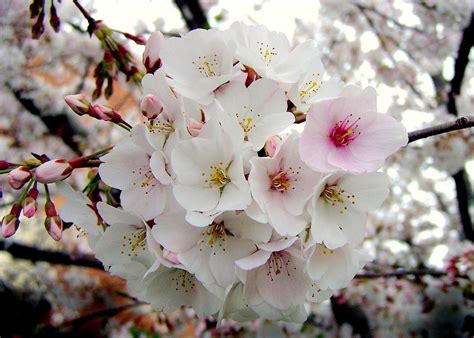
x=458 y=124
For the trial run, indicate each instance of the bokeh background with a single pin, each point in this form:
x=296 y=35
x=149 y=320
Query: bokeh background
x=417 y=54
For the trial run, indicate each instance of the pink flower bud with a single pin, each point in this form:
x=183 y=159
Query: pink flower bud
x=78 y=103
x=194 y=127
x=104 y=113
x=18 y=177
x=4 y=164
x=151 y=106
x=54 y=226
x=151 y=55
x=171 y=256
x=50 y=209
x=53 y=171
x=11 y=223
x=29 y=203
x=271 y=145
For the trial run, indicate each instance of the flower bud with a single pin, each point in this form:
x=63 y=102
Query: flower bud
x=54 y=20
x=53 y=171
x=194 y=127
x=4 y=165
x=54 y=226
x=151 y=107
x=78 y=103
x=18 y=177
x=151 y=55
x=29 y=203
x=104 y=113
x=271 y=145
x=10 y=222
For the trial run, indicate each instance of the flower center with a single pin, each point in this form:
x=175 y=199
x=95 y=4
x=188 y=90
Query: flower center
x=217 y=178
x=266 y=52
x=280 y=181
x=334 y=195
x=278 y=263
x=160 y=126
x=206 y=67
x=216 y=235
x=247 y=124
x=184 y=280
x=309 y=89
x=345 y=131
x=134 y=242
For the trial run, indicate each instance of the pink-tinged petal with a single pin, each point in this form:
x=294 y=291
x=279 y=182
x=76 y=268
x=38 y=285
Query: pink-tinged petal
x=281 y=220
x=158 y=167
x=233 y=198
x=255 y=212
x=314 y=149
x=285 y=287
x=147 y=202
x=222 y=262
x=253 y=261
x=112 y=215
x=359 y=101
x=342 y=158
x=196 y=197
x=278 y=245
x=201 y=219
x=380 y=139
x=169 y=232
x=240 y=225
x=369 y=190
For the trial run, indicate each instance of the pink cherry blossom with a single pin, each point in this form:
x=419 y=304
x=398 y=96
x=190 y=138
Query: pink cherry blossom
x=346 y=133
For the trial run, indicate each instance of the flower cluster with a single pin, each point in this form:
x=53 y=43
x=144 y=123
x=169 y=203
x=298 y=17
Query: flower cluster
x=221 y=210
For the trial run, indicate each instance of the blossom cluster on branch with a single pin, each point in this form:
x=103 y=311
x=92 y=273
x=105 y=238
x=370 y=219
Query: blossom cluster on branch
x=219 y=211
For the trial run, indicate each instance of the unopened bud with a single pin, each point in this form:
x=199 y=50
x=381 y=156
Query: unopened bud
x=194 y=127
x=4 y=165
x=151 y=55
x=53 y=171
x=54 y=226
x=11 y=222
x=18 y=177
x=78 y=103
x=139 y=40
x=38 y=28
x=271 y=145
x=104 y=113
x=30 y=204
x=54 y=20
x=151 y=107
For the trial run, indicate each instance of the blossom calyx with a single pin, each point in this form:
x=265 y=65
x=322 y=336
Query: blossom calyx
x=18 y=177
x=30 y=204
x=78 y=103
x=53 y=171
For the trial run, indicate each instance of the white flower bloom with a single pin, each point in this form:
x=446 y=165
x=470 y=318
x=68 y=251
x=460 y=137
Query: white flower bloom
x=171 y=288
x=269 y=53
x=317 y=295
x=78 y=210
x=169 y=123
x=124 y=240
x=209 y=177
x=210 y=252
x=311 y=87
x=281 y=185
x=139 y=171
x=254 y=113
x=334 y=269
x=340 y=204
x=276 y=274
x=197 y=63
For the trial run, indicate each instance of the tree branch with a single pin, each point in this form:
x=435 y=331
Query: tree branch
x=404 y=273
x=460 y=123
x=461 y=180
x=192 y=13
x=55 y=257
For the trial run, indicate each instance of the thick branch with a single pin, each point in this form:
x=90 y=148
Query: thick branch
x=460 y=123
x=192 y=13
x=461 y=180
x=60 y=125
x=55 y=257
x=405 y=273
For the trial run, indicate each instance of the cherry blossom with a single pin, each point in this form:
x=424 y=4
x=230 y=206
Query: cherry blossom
x=347 y=133
x=254 y=113
x=340 y=204
x=197 y=63
x=282 y=185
